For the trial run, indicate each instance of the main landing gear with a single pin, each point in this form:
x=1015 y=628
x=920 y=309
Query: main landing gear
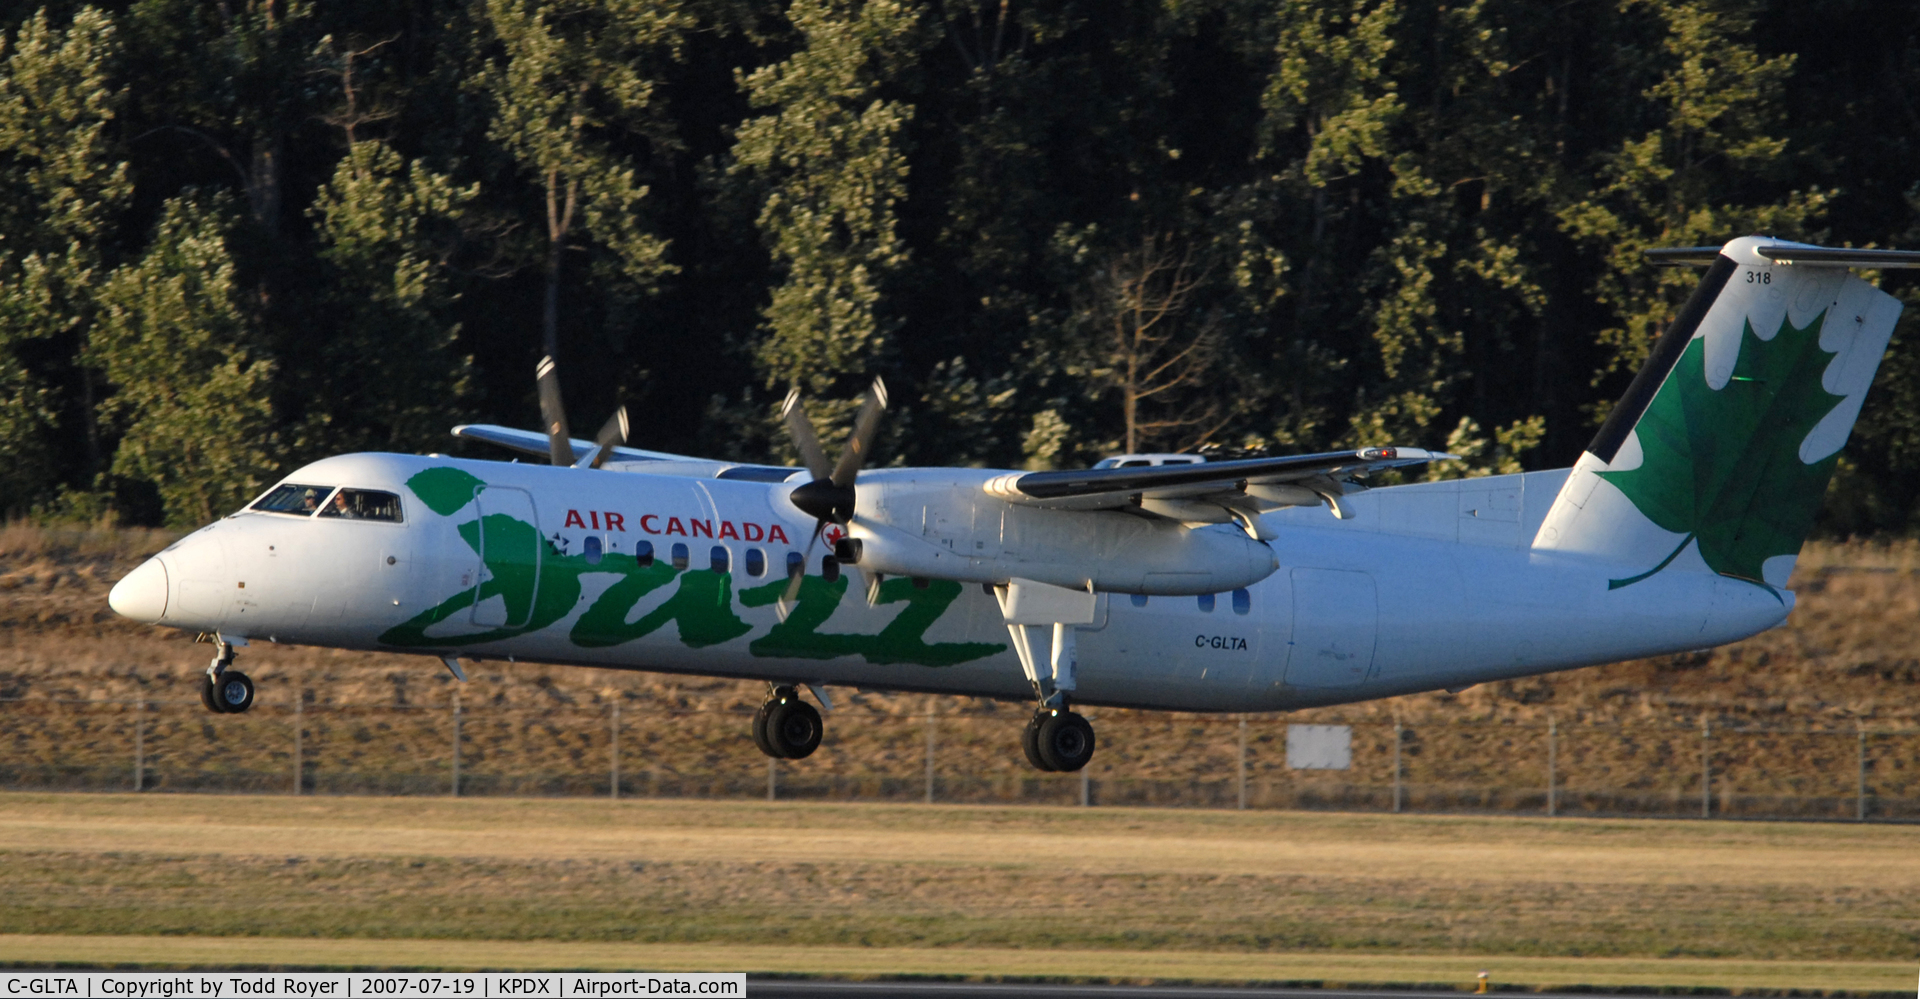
x=786 y=727
x=1041 y=620
x=225 y=690
x=1057 y=739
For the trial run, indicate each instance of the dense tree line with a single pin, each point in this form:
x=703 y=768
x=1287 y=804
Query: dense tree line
x=236 y=235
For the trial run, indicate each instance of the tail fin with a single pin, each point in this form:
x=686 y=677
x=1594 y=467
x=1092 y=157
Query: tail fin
x=1718 y=456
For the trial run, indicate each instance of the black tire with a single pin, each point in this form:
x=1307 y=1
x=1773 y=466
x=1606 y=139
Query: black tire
x=1066 y=742
x=206 y=696
x=760 y=729
x=794 y=729
x=233 y=691
x=1030 y=741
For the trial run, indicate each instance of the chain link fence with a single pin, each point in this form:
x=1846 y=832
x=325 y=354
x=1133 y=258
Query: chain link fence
x=1557 y=767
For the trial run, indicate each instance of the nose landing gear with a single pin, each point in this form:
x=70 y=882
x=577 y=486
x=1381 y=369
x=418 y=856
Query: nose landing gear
x=225 y=690
x=786 y=727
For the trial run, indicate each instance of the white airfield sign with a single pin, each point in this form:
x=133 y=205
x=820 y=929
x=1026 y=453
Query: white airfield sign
x=1149 y=581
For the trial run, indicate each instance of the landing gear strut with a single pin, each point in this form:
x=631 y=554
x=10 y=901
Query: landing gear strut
x=1056 y=739
x=786 y=727
x=225 y=691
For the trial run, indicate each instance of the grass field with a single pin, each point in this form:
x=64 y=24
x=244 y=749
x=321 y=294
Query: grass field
x=1023 y=892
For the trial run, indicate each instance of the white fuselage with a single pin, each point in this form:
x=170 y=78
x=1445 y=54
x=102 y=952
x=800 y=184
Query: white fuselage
x=1426 y=586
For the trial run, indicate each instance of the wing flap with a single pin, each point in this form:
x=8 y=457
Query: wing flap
x=1251 y=483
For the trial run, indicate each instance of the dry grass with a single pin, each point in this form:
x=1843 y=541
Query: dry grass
x=953 y=877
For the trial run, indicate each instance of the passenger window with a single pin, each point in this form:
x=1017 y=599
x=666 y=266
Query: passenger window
x=363 y=504
x=1139 y=600
x=796 y=564
x=679 y=555
x=643 y=553
x=1136 y=463
x=1206 y=603
x=720 y=558
x=591 y=549
x=756 y=562
x=1242 y=601
x=289 y=497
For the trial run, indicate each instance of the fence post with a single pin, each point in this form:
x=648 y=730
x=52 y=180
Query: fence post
x=613 y=751
x=1706 y=768
x=298 y=720
x=1396 y=766
x=1553 y=767
x=1243 y=763
x=1086 y=788
x=139 y=746
x=1860 y=799
x=771 y=777
x=456 y=742
x=930 y=745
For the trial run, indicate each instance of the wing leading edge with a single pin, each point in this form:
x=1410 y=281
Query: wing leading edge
x=537 y=445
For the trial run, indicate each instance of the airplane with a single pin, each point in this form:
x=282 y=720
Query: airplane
x=1150 y=581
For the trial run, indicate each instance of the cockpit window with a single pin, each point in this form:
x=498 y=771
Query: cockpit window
x=363 y=504
x=289 y=497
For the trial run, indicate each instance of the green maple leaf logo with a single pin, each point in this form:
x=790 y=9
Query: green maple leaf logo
x=1724 y=467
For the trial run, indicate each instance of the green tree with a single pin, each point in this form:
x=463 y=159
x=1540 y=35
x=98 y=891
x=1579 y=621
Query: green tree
x=830 y=158
x=570 y=77
x=1715 y=106
x=234 y=79
x=385 y=229
x=192 y=385
x=62 y=192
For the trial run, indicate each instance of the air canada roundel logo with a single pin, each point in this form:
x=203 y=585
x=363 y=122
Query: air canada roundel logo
x=833 y=534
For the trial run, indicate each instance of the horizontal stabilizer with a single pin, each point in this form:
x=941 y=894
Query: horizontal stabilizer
x=1791 y=253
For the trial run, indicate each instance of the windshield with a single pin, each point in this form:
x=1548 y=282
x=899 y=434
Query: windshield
x=363 y=504
x=292 y=498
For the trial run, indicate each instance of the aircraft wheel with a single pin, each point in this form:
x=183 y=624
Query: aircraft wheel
x=1030 y=741
x=233 y=692
x=206 y=696
x=794 y=729
x=1066 y=741
x=760 y=728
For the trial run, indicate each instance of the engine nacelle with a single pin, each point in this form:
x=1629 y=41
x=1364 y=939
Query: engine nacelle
x=947 y=530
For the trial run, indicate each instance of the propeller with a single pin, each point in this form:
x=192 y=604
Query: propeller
x=553 y=413
x=829 y=498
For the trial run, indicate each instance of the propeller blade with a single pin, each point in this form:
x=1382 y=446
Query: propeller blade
x=804 y=439
x=552 y=413
x=864 y=430
x=793 y=582
x=612 y=434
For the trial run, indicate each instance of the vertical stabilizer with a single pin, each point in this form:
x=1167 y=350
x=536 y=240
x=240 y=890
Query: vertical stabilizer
x=1718 y=456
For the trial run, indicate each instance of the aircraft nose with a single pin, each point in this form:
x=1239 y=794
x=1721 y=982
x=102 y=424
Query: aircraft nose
x=142 y=594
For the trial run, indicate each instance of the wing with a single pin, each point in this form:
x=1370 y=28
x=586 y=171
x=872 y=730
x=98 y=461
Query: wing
x=536 y=444
x=1212 y=491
